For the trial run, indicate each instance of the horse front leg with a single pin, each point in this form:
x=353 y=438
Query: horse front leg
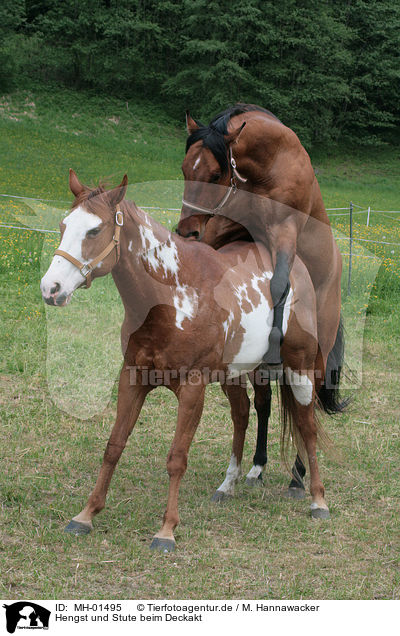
x=191 y=401
x=240 y=407
x=130 y=402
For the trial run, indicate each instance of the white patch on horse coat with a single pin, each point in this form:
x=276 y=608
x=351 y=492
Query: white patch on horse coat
x=61 y=271
x=159 y=255
x=167 y=256
x=185 y=303
x=149 y=241
x=301 y=386
x=196 y=163
x=227 y=323
x=130 y=246
x=232 y=476
x=164 y=257
x=254 y=472
x=256 y=326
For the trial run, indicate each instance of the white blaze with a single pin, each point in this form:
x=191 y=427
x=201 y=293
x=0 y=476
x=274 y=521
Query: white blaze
x=61 y=271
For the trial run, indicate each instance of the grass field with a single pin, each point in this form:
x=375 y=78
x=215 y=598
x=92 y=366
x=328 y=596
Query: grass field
x=258 y=545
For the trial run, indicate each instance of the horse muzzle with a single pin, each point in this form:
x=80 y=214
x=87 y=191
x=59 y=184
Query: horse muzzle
x=192 y=227
x=53 y=295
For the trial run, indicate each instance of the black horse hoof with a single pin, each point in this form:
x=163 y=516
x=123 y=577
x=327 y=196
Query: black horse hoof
x=78 y=528
x=320 y=513
x=255 y=481
x=163 y=545
x=219 y=496
x=295 y=493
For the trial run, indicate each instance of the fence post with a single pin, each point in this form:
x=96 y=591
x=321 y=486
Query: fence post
x=351 y=249
x=369 y=211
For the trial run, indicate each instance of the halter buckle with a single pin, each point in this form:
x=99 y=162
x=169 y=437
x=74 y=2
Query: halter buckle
x=85 y=270
x=119 y=218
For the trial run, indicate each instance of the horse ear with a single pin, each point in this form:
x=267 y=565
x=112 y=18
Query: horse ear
x=74 y=184
x=191 y=125
x=116 y=195
x=233 y=137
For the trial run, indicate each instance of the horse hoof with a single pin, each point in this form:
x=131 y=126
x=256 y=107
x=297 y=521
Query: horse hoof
x=163 y=545
x=78 y=528
x=254 y=481
x=295 y=493
x=219 y=496
x=320 y=513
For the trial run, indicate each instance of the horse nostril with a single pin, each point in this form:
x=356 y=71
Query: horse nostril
x=55 y=289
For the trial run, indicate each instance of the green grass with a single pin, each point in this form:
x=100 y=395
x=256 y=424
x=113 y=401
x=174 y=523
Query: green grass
x=45 y=134
x=367 y=176
x=258 y=545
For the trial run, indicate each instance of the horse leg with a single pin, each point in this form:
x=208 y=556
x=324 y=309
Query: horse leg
x=191 y=400
x=240 y=407
x=279 y=288
x=262 y=404
x=296 y=488
x=302 y=386
x=130 y=401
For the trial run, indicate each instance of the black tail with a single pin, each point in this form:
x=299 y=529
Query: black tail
x=329 y=394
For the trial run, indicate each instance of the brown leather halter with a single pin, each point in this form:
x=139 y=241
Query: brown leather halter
x=87 y=268
x=231 y=190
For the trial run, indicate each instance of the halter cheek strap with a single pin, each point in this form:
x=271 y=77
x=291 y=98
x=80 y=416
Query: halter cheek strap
x=87 y=268
x=231 y=190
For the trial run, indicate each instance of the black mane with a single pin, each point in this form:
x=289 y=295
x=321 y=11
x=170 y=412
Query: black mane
x=212 y=135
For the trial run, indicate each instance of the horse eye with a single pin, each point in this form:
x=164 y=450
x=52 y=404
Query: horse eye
x=93 y=232
x=215 y=178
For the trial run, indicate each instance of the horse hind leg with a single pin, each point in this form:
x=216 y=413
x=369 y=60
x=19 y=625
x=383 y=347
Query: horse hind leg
x=296 y=489
x=302 y=416
x=262 y=405
x=240 y=407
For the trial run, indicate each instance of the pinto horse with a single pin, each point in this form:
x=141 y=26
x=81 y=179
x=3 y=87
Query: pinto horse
x=247 y=177
x=193 y=315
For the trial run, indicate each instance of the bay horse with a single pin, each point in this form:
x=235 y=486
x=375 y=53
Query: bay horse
x=193 y=315
x=248 y=177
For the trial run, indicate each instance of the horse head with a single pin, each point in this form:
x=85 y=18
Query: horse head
x=89 y=244
x=210 y=175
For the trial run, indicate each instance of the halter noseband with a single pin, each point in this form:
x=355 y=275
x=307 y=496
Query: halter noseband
x=231 y=190
x=87 y=268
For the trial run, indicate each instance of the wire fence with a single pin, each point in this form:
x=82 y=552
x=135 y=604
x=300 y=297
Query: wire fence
x=348 y=211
